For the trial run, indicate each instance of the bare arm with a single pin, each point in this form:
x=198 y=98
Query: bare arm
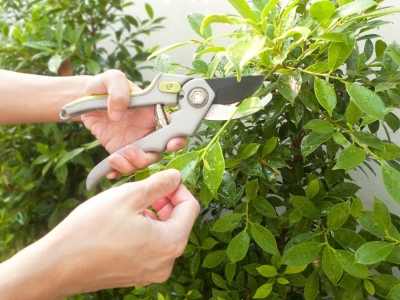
x=27 y=98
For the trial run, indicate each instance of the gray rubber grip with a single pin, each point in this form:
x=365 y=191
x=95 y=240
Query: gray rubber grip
x=184 y=123
x=148 y=97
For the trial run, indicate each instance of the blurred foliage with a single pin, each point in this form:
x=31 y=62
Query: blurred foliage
x=44 y=166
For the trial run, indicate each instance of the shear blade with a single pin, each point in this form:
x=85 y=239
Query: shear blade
x=229 y=90
x=219 y=112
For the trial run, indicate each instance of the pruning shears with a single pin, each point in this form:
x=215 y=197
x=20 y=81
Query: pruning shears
x=197 y=99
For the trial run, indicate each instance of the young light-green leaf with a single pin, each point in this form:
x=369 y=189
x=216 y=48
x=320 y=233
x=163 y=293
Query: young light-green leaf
x=373 y=252
x=350 y=158
x=356 y=7
x=195 y=20
x=185 y=163
x=322 y=10
x=267 y=271
x=237 y=248
x=367 y=101
x=338 y=53
x=263 y=291
x=243 y=9
x=391 y=180
x=243 y=50
x=213 y=175
x=325 y=94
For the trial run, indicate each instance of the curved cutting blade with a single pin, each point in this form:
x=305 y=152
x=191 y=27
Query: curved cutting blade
x=229 y=90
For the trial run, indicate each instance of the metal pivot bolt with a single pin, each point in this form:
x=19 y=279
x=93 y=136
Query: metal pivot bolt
x=198 y=97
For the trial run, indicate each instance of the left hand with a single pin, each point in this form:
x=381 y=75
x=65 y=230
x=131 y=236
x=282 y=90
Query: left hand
x=119 y=128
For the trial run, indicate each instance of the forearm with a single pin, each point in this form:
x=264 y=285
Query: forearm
x=31 y=274
x=26 y=98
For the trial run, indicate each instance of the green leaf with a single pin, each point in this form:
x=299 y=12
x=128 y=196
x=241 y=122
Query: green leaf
x=264 y=238
x=194 y=264
x=219 y=18
x=394 y=293
x=302 y=254
x=270 y=5
x=205 y=195
x=166 y=49
x=200 y=66
x=67 y=157
x=312 y=188
x=338 y=215
x=218 y=280
x=367 y=101
x=230 y=271
x=213 y=176
x=195 y=21
x=392 y=152
x=59 y=32
x=305 y=207
x=149 y=10
x=299 y=30
x=347 y=260
x=251 y=189
x=348 y=239
x=373 y=252
x=208 y=243
x=340 y=139
x=312 y=141
x=353 y=113
x=356 y=7
x=350 y=158
x=185 y=163
x=338 y=53
x=391 y=181
x=295 y=269
x=237 y=248
x=369 y=140
x=54 y=63
x=241 y=51
x=325 y=94
x=309 y=100
x=384 y=283
x=381 y=215
x=269 y=146
x=344 y=189
x=319 y=67
x=289 y=85
x=333 y=37
x=383 y=86
x=244 y=9
x=227 y=223
x=93 y=67
x=320 y=126
x=250 y=150
x=62 y=173
x=311 y=288
x=213 y=259
x=322 y=10
x=212 y=68
x=263 y=291
x=264 y=207
x=369 y=287
x=249 y=105
x=267 y=271
x=330 y=265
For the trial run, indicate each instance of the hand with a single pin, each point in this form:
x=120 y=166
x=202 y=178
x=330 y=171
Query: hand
x=111 y=240
x=120 y=127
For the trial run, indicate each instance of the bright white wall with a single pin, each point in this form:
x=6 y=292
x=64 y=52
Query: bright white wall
x=177 y=30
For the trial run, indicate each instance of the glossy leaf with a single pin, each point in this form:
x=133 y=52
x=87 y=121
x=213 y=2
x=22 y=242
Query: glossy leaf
x=263 y=291
x=289 y=85
x=325 y=94
x=311 y=288
x=227 y=223
x=213 y=259
x=338 y=215
x=391 y=180
x=347 y=260
x=302 y=254
x=237 y=248
x=353 y=113
x=348 y=239
x=381 y=215
x=241 y=51
x=322 y=10
x=312 y=141
x=213 y=175
x=269 y=146
x=356 y=7
x=264 y=207
x=243 y=9
x=366 y=100
x=394 y=293
x=264 y=238
x=370 y=140
x=320 y=126
x=267 y=271
x=350 y=158
x=338 y=53
x=373 y=252
x=330 y=265
x=195 y=20
x=305 y=207
x=251 y=189
x=185 y=163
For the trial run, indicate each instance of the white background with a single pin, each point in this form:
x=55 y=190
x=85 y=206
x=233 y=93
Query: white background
x=178 y=30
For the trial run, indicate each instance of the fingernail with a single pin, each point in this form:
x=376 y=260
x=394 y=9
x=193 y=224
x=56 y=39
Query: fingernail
x=175 y=174
x=129 y=153
x=116 y=115
x=115 y=161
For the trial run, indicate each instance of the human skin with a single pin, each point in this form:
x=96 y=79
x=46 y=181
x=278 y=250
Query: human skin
x=111 y=240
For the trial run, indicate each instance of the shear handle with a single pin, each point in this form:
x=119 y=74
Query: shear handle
x=185 y=123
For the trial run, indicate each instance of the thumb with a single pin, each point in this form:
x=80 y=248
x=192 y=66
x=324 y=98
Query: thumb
x=159 y=185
